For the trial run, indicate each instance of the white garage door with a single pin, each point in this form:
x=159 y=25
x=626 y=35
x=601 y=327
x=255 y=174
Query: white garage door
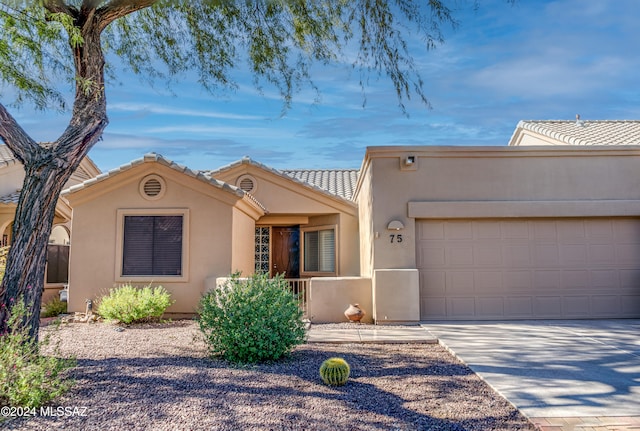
x=522 y=269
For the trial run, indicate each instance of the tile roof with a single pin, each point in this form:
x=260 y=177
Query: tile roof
x=336 y=182
x=339 y=182
x=585 y=132
x=153 y=157
x=6 y=158
x=11 y=198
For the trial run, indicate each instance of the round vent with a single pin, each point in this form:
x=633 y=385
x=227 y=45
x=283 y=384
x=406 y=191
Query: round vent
x=152 y=187
x=246 y=183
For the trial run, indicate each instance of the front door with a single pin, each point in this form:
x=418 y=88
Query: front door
x=285 y=251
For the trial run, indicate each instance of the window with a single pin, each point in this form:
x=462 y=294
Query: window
x=152 y=245
x=320 y=250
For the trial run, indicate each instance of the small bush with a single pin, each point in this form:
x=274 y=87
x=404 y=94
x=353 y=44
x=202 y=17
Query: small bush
x=252 y=320
x=28 y=379
x=53 y=308
x=335 y=371
x=129 y=304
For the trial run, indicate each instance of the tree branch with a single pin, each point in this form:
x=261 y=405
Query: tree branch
x=116 y=9
x=14 y=136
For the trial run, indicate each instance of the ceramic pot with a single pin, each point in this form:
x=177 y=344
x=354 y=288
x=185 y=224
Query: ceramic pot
x=354 y=313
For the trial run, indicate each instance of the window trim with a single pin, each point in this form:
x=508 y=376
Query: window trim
x=303 y=250
x=121 y=213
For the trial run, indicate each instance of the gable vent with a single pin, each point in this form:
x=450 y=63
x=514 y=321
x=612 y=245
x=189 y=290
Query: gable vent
x=152 y=187
x=246 y=183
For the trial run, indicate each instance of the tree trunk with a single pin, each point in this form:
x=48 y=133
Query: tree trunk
x=49 y=165
x=24 y=276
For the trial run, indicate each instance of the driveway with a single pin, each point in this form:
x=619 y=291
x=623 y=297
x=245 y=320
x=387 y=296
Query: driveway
x=553 y=368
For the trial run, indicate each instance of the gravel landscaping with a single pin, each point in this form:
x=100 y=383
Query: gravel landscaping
x=158 y=377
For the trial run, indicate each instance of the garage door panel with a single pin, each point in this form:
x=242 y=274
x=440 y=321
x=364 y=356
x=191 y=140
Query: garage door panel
x=516 y=255
x=488 y=281
x=602 y=254
x=573 y=254
x=538 y=268
x=546 y=255
x=461 y=307
x=605 y=305
x=458 y=230
x=434 y=306
x=515 y=230
x=459 y=256
x=433 y=283
x=487 y=254
x=576 y=306
x=547 y=307
x=518 y=280
x=490 y=307
x=519 y=307
x=630 y=305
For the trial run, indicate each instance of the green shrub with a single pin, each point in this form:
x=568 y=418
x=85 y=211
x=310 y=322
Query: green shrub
x=128 y=304
x=335 y=371
x=28 y=379
x=251 y=320
x=53 y=308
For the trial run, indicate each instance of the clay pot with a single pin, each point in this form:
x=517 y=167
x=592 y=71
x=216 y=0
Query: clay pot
x=354 y=313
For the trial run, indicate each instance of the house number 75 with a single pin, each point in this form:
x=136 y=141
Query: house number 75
x=395 y=238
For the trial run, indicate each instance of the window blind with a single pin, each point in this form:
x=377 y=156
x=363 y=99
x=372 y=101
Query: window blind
x=152 y=245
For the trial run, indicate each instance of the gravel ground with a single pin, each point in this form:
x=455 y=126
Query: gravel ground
x=157 y=377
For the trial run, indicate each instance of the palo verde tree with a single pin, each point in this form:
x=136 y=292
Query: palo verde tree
x=46 y=45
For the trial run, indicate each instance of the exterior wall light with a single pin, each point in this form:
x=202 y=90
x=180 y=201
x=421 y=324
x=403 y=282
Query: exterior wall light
x=395 y=225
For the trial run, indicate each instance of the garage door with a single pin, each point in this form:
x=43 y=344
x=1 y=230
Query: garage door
x=521 y=269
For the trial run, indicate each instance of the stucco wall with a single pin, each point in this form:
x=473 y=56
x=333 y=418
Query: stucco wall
x=329 y=297
x=211 y=227
x=556 y=181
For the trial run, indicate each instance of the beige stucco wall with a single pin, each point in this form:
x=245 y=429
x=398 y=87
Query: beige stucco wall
x=491 y=182
x=213 y=226
x=242 y=243
x=329 y=297
x=394 y=295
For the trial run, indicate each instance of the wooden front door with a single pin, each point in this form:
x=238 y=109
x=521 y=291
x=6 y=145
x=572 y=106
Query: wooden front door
x=285 y=251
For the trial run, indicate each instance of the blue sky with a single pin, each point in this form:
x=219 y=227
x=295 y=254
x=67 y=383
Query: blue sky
x=533 y=60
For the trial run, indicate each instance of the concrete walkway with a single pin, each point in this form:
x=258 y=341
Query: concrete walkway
x=367 y=334
x=573 y=375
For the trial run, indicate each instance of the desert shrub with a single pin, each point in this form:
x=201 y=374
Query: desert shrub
x=335 y=371
x=129 y=304
x=27 y=378
x=251 y=320
x=53 y=308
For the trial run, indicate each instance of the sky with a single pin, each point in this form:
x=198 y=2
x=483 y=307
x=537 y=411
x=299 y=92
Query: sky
x=535 y=60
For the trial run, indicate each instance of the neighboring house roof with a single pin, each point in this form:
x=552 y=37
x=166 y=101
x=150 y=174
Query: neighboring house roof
x=335 y=182
x=153 y=157
x=11 y=198
x=339 y=182
x=580 y=132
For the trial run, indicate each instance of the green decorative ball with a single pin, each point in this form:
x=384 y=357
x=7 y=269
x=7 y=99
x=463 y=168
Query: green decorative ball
x=335 y=371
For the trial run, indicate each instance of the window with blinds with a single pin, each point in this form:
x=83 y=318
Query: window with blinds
x=320 y=251
x=152 y=245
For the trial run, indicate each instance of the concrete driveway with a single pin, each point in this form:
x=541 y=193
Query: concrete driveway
x=554 y=368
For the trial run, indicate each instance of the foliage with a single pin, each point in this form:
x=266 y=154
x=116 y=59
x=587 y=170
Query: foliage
x=277 y=39
x=27 y=378
x=335 y=371
x=251 y=320
x=131 y=304
x=53 y=308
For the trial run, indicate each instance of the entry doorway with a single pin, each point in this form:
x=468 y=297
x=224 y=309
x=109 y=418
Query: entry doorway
x=285 y=251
